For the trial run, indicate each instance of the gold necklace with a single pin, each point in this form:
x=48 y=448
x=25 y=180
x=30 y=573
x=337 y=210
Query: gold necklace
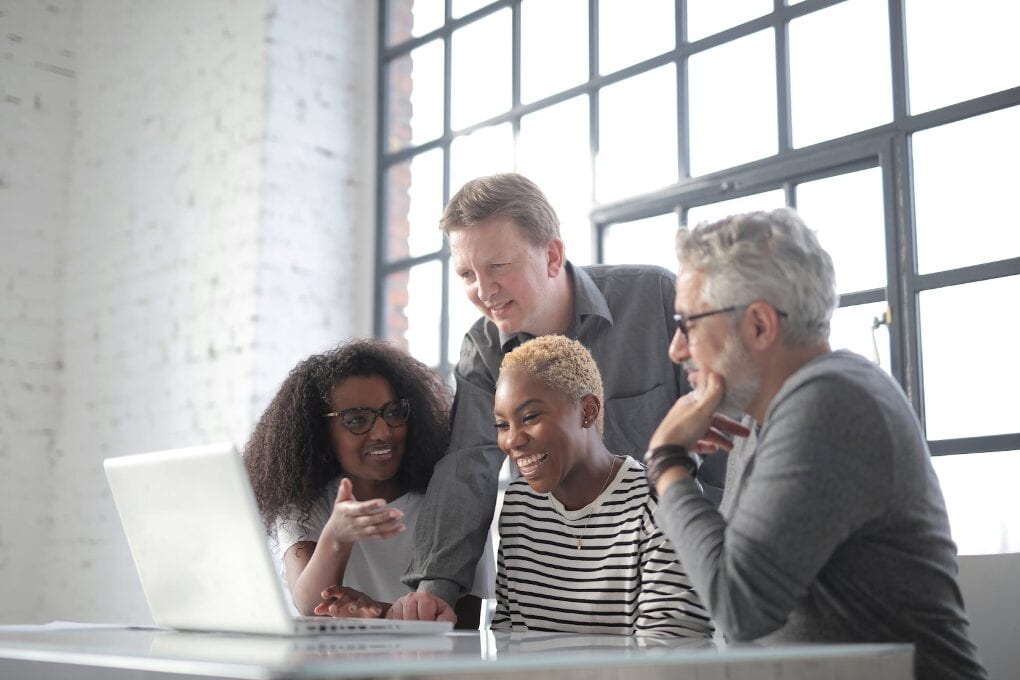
x=587 y=518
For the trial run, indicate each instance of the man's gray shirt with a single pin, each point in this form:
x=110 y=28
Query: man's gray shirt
x=624 y=315
x=836 y=529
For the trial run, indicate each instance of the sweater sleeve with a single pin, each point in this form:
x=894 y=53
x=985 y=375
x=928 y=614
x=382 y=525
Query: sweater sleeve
x=820 y=471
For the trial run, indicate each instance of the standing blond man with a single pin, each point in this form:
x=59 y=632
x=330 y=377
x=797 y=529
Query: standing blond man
x=506 y=249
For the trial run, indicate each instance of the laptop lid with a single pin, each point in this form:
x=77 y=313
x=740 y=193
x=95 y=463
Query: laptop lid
x=200 y=548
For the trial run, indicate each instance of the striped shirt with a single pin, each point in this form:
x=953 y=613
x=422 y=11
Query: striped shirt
x=623 y=577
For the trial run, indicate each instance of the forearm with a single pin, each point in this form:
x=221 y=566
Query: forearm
x=745 y=595
x=325 y=568
x=453 y=524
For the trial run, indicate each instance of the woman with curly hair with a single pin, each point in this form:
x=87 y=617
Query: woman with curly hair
x=339 y=463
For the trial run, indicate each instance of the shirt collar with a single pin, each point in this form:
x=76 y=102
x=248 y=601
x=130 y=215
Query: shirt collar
x=588 y=301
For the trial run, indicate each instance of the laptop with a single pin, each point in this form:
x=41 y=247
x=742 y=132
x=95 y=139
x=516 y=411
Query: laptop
x=202 y=554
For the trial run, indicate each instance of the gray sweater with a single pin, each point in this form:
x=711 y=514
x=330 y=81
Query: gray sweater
x=837 y=529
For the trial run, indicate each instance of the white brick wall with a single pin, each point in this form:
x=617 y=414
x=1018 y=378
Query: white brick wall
x=317 y=210
x=218 y=175
x=36 y=90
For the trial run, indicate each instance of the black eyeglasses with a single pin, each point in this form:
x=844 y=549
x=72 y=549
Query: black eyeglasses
x=683 y=320
x=361 y=420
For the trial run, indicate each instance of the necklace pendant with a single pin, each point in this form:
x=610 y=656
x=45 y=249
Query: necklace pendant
x=579 y=543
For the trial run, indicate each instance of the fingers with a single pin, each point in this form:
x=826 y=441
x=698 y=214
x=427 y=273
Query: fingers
x=353 y=521
x=397 y=609
x=421 y=607
x=712 y=395
x=693 y=421
x=381 y=524
x=363 y=607
x=728 y=425
x=712 y=441
x=361 y=507
x=343 y=602
x=683 y=424
x=346 y=492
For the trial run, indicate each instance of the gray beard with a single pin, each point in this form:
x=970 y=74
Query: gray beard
x=742 y=379
x=734 y=403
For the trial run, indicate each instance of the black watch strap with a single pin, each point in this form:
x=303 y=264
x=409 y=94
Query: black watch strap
x=666 y=456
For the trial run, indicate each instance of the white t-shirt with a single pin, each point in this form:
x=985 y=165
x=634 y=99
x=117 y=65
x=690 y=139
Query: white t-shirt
x=375 y=565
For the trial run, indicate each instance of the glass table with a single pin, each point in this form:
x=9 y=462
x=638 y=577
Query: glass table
x=86 y=653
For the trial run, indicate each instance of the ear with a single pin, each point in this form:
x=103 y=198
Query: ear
x=590 y=407
x=555 y=257
x=760 y=326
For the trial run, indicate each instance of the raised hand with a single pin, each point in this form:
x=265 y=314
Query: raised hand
x=353 y=520
x=694 y=423
x=343 y=602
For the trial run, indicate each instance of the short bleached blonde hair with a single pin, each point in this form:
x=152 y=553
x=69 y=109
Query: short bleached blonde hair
x=561 y=364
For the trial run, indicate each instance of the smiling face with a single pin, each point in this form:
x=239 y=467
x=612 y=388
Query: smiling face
x=542 y=430
x=713 y=345
x=370 y=460
x=506 y=277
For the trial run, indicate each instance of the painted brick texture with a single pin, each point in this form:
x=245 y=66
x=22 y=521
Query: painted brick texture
x=195 y=241
x=36 y=90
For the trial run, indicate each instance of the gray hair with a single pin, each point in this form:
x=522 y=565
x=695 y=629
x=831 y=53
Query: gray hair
x=768 y=256
x=505 y=195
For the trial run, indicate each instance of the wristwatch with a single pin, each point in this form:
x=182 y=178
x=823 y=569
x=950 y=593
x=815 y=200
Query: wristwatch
x=661 y=458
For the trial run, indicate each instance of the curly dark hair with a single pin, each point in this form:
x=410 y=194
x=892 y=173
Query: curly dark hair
x=290 y=458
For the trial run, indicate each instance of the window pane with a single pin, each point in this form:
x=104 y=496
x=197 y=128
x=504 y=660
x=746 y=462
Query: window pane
x=407 y=19
x=648 y=241
x=705 y=17
x=840 y=74
x=847 y=212
x=727 y=130
x=981 y=499
x=637 y=135
x=860 y=329
x=413 y=311
x=767 y=200
x=462 y=315
x=958 y=51
x=483 y=152
x=414 y=205
x=969 y=361
x=395 y=308
x=463 y=7
x=416 y=96
x=630 y=33
x=973 y=195
x=480 y=87
x=553 y=33
x=553 y=150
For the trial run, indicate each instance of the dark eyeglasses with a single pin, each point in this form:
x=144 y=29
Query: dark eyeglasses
x=361 y=420
x=683 y=320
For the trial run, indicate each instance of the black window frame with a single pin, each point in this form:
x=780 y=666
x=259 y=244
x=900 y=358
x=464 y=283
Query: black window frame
x=887 y=147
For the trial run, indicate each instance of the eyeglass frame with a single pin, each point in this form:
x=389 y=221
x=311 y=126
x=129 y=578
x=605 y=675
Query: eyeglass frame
x=682 y=320
x=404 y=404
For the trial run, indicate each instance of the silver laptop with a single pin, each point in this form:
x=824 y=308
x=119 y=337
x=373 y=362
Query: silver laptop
x=201 y=552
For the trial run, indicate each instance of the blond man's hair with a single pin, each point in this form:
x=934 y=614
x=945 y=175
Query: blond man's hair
x=504 y=195
x=561 y=364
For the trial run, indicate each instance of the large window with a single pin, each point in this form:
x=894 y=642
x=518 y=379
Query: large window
x=891 y=125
